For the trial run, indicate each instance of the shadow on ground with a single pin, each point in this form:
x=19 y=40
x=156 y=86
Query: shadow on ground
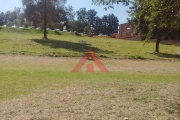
x=171 y=44
x=167 y=55
x=178 y=108
x=69 y=45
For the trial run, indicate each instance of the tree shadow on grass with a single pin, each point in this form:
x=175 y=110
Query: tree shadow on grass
x=167 y=55
x=57 y=33
x=52 y=43
x=178 y=108
x=170 y=44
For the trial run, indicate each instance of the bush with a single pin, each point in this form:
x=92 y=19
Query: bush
x=77 y=34
x=57 y=32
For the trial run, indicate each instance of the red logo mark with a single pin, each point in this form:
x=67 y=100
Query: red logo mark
x=90 y=68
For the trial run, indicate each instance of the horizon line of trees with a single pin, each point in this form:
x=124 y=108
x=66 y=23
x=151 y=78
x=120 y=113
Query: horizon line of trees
x=58 y=15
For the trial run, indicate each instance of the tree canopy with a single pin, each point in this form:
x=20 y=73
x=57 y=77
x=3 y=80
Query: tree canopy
x=54 y=14
x=106 y=25
x=155 y=18
x=151 y=18
x=39 y=11
x=110 y=2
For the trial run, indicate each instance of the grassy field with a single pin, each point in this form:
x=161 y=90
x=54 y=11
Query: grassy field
x=21 y=75
x=36 y=86
x=67 y=45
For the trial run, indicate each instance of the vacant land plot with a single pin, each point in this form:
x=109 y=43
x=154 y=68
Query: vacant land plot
x=44 y=88
x=140 y=84
x=67 y=45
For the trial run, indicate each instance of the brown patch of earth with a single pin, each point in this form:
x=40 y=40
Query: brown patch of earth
x=113 y=65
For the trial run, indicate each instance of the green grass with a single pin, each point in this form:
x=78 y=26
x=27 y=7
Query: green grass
x=20 y=79
x=29 y=42
x=16 y=82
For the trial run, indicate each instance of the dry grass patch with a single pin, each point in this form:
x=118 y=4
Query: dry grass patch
x=103 y=101
x=137 y=89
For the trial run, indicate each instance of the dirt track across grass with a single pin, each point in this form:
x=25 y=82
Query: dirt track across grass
x=113 y=65
x=110 y=100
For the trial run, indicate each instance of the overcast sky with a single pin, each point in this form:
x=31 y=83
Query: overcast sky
x=119 y=10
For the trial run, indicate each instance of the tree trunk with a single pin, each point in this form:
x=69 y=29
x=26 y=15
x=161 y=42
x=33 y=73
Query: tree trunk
x=157 y=44
x=45 y=19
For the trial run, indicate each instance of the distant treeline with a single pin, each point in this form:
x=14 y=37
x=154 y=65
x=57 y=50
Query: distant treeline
x=58 y=16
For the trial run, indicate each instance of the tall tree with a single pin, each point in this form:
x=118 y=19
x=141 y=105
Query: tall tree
x=2 y=18
x=82 y=15
x=39 y=11
x=70 y=13
x=136 y=20
x=156 y=18
x=104 y=21
x=88 y=18
x=109 y=24
x=91 y=17
x=16 y=14
x=98 y=25
x=113 y=23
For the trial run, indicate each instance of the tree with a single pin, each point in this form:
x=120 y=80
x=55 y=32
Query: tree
x=2 y=18
x=70 y=13
x=109 y=3
x=27 y=24
x=82 y=15
x=104 y=21
x=98 y=25
x=155 y=18
x=77 y=26
x=136 y=20
x=109 y=24
x=88 y=30
x=113 y=23
x=10 y=16
x=46 y=11
x=88 y=18
x=17 y=22
x=91 y=17
x=105 y=26
x=9 y=24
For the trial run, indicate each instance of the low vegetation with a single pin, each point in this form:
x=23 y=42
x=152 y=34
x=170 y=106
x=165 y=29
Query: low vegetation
x=36 y=81
x=34 y=87
x=30 y=42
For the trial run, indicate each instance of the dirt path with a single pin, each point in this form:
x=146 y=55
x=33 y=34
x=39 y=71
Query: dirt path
x=165 y=66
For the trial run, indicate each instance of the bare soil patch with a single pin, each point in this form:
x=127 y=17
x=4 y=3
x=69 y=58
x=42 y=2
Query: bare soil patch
x=113 y=65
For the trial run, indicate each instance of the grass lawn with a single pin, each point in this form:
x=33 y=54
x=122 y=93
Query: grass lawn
x=34 y=85
x=67 y=45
